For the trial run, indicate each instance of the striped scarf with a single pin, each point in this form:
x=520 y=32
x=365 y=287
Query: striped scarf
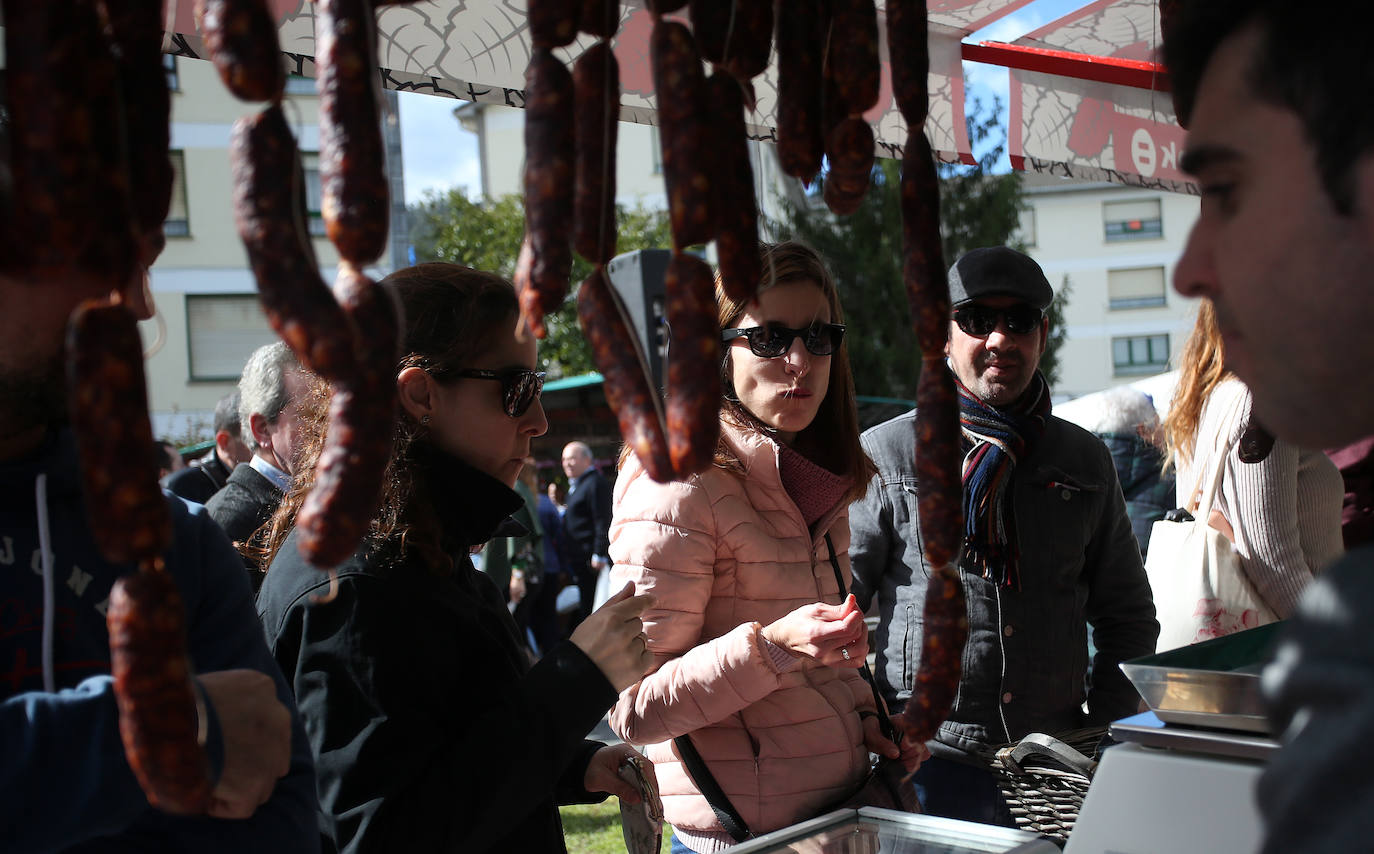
x=999 y=439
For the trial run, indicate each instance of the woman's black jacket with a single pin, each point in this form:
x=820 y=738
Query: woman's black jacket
x=431 y=731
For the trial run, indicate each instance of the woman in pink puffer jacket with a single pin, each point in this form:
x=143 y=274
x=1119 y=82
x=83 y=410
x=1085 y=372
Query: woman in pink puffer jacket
x=756 y=651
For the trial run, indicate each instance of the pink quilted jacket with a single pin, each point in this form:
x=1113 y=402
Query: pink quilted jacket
x=726 y=554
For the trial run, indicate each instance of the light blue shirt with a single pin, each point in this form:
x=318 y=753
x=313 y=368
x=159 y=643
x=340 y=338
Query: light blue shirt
x=280 y=479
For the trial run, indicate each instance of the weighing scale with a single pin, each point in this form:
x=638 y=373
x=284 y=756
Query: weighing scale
x=1183 y=779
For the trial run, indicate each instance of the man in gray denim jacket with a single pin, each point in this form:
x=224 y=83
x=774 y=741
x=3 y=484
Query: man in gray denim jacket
x=1050 y=552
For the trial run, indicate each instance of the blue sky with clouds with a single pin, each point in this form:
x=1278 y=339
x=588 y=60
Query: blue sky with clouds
x=439 y=155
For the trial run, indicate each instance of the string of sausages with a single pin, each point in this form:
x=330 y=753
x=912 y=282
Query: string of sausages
x=939 y=489
x=350 y=334
x=89 y=183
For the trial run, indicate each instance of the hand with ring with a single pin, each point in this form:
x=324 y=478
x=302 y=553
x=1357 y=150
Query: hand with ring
x=834 y=635
x=606 y=637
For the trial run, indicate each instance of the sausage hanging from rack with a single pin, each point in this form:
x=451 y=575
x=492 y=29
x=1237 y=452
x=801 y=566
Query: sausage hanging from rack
x=801 y=47
x=269 y=203
x=354 y=192
x=109 y=412
x=939 y=496
x=923 y=261
x=852 y=55
x=352 y=463
x=69 y=216
x=541 y=275
x=129 y=520
x=734 y=34
x=751 y=39
x=241 y=38
x=600 y=18
x=596 y=82
x=693 y=409
x=850 y=148
x=629 y=389
x=159 y=713
x=851 y=87
x=553 y=23
x=939 y=486
x=711 y=28
x=737 y=238
x=908 y=47
x=136 y=30
x=680 y=88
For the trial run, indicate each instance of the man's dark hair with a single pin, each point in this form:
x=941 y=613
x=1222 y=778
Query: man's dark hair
x=166 y=453
x=1312 y=59
x=227 y=414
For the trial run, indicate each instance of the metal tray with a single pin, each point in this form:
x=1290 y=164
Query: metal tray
x=1210 y=684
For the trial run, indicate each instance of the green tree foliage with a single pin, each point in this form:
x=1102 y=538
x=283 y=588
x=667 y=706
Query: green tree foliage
x=486 y=235
x=864 y=251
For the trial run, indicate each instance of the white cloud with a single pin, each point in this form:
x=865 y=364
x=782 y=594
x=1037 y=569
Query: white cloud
x=438 y=155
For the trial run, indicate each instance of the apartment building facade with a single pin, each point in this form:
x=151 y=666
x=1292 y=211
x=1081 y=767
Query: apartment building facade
x=1115 y=247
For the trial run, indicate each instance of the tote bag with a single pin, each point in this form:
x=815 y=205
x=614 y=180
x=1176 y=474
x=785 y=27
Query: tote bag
x=1200 y=589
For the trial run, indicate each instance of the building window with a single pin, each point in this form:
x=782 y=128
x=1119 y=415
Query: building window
x=310 y=162
x=1025 y=229
x=1139 y=220
x=178 y=222
x=169 y=66
x=222 y=331
x=299 y=84
x=1140 y=354
x=1139 y=287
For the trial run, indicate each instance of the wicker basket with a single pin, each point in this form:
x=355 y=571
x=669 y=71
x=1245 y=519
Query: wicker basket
x=1044 y=778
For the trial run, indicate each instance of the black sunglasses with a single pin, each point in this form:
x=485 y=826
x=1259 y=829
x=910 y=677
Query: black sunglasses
x=770 y=342
x=980 y=320
x=520 y=387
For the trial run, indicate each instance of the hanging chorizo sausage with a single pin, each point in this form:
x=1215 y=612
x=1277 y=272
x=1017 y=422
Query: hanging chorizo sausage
x=354 y=191
x=620 y=358
x=241 y=38
x=596 y=82
x=693 y=409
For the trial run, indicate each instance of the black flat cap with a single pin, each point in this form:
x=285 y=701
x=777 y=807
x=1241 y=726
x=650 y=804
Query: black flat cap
x=999 y=271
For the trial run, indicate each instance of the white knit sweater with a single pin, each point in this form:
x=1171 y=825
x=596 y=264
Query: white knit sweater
x=1285 y=511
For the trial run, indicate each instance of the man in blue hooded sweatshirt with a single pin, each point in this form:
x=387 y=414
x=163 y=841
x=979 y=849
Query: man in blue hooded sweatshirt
x=65 y=783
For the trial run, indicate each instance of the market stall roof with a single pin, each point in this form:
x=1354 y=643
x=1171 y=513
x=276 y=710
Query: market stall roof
x=1087 y=98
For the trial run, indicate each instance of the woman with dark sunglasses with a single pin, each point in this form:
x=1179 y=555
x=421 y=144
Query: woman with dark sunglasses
x=756 y=648
x=431 y=730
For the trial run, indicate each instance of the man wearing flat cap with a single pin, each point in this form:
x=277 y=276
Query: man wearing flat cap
x=1047 y=548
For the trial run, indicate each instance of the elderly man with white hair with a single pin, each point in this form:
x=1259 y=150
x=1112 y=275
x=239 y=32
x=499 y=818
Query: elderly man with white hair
x=271 y=389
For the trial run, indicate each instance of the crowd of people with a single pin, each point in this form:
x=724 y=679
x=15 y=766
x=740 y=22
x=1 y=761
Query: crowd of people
x=413 y=701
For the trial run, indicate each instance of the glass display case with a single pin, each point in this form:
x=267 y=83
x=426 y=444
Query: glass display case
x=877 y=831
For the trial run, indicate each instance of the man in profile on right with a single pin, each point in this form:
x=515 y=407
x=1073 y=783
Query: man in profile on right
x=1276 y=99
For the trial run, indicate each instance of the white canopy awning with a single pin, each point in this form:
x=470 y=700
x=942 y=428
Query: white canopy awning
x=1087 y=99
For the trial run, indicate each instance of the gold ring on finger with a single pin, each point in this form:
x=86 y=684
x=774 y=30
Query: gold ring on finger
x=844 y=650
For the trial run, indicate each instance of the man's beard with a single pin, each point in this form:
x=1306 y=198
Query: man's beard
x=33 y=398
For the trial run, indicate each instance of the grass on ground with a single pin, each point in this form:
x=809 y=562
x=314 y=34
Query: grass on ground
x=595 y=828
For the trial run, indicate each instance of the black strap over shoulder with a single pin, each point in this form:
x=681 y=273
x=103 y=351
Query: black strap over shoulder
x=725 y=811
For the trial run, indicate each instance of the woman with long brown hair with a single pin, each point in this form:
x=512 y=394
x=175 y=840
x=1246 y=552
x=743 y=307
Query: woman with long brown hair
x=431 y=730
x=756 y=650
x=1281 y=509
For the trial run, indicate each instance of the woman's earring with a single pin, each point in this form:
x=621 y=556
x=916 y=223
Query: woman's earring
x=424 y=420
